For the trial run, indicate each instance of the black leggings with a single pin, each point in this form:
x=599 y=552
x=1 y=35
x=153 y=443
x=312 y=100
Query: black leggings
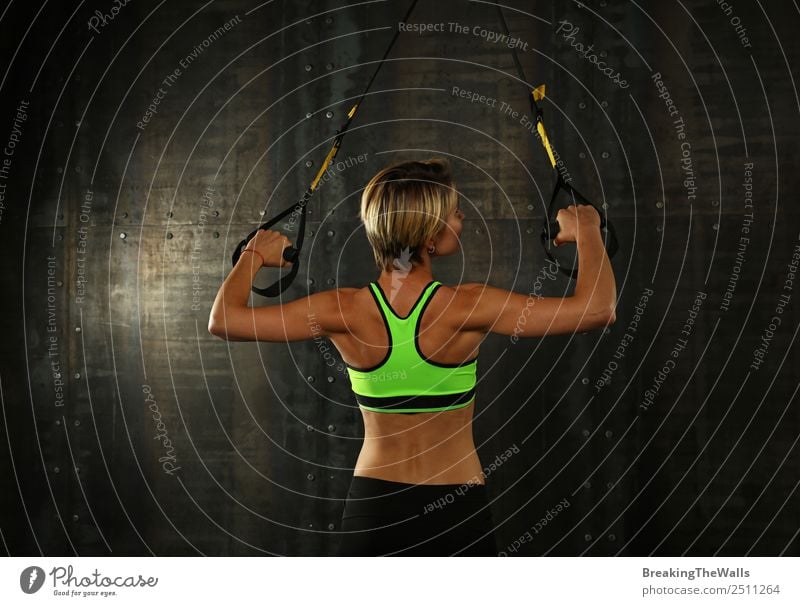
x=398 y=519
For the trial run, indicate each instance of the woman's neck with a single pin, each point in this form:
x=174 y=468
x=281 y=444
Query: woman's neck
x=415 y=275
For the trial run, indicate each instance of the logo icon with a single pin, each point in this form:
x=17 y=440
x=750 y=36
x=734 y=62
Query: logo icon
x=403 y=265
x=31 y=579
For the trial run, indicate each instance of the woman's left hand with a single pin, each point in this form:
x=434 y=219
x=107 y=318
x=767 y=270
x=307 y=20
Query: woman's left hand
x=270 y=244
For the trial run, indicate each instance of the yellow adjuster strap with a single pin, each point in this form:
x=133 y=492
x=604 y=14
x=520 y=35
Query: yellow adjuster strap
x=538 y=95
x=332 y=154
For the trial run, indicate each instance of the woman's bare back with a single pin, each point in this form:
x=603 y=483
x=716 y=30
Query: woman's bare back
x=419 y=448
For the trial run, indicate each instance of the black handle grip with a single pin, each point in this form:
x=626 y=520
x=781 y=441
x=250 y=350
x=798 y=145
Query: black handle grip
x=551 y=228
x=290 y=253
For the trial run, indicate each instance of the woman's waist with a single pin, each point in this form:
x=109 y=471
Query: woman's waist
x=449 y=463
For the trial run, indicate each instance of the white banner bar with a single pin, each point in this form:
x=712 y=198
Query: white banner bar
x=410 y=582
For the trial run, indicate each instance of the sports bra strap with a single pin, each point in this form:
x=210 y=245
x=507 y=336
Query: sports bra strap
x=390 y=314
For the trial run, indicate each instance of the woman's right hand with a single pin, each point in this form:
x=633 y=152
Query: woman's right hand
x=573 y=219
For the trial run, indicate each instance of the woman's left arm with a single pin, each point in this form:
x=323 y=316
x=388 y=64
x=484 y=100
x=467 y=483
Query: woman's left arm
x=317 y=315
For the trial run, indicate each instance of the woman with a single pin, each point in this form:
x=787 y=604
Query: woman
x=411 y=344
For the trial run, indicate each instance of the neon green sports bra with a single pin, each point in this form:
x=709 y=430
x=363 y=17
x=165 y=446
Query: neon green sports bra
x=405 y=381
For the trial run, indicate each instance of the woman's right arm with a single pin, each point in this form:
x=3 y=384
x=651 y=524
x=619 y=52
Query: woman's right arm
x=591 y=306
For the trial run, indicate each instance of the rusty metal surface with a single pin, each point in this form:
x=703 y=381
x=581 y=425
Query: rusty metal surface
x=129 y=430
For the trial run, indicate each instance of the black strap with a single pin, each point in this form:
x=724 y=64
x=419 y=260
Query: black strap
x=551 y=228
x=292 y=253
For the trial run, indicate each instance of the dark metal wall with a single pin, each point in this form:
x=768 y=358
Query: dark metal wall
x=129 y=430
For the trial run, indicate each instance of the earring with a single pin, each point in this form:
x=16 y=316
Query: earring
x=431 y=250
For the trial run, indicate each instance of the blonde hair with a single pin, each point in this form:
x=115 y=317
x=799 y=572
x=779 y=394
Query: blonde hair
x=403 y=206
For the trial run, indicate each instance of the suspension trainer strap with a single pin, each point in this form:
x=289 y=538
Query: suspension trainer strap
x=292 y=253
x=551 y=227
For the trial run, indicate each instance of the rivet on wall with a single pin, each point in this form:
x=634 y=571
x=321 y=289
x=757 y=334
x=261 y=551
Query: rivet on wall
x=309 y=163
x=331 y=379
x=585 y=380
x=604 y=155
x=585 y=433
x=310 y=477
x=169 y=235
x=331 y=427
x=308 y=67
x=587 y=485
x=123 y=235
x=329 y=114
x=587 y=537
